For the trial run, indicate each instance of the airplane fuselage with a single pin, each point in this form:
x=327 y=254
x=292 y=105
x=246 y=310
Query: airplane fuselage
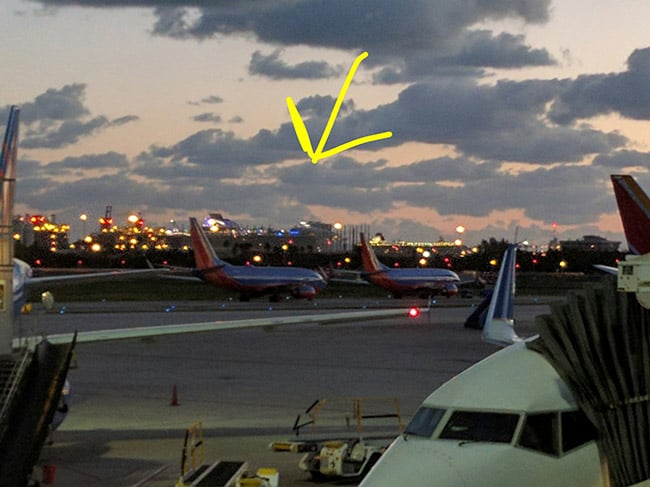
x=415 y=281
x=507 y=421
x=266 y=280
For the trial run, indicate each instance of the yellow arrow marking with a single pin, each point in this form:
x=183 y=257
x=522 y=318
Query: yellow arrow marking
x=303 y=135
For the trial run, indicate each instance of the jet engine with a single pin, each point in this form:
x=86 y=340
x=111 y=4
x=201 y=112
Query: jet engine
x=304 y=292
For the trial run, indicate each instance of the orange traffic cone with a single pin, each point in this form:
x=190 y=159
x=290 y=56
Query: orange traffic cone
x=174 y=401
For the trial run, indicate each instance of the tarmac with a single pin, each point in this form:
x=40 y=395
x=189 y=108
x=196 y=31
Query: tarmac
x=131 y=401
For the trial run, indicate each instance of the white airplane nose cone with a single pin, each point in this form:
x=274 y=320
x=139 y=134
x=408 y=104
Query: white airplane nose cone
x=413 y=463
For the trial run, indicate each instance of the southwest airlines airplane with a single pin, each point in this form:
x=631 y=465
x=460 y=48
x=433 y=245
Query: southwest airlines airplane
x=251 y=281
x=419 y=281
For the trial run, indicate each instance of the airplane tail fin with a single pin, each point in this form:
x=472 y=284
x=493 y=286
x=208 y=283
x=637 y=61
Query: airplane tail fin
x=499 y=322
x=204 y=255
x=634 y=208
x=369 y=260
x=8 y=166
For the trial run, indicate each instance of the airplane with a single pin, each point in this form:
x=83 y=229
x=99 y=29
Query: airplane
x=251 y=281
x=634 y=209
x=424 y=282
x=22 y=271
x=508 y=420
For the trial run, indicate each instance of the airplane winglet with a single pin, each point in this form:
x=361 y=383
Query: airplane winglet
x=499 y=322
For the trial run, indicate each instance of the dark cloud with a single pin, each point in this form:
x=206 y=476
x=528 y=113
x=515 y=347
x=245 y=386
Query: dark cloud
x=469 y=57
x=505 y=121
x=109 y=160
x=59 y=118
x=216 y=154
x=66 y=133
x=389 y=32
x=626 y=93
x=207 y=117
x=622 y=159
x=482 y=49
x=273 y=67
x=124 y=120
x=208 y=100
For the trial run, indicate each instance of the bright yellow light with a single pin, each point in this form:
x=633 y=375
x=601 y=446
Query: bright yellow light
x=423 y=262
x=133 y=218
x=17 y=236
x=493 y=262
x=347 y=260
x=83 y=217
x=426 y=254
x=96 y=247
x=88 y=239
x=338 y=226
x=458 y=242
x=285 y=247
x=257 y=259
x=460 y=229
x=563 y=264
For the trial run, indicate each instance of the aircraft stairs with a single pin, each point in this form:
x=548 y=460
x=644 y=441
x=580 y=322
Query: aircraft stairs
x=30 y=387
x=12 y=370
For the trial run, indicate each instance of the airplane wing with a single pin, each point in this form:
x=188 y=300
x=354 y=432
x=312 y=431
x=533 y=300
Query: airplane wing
x=607 y=269
x=209 y=326
x=115 y=273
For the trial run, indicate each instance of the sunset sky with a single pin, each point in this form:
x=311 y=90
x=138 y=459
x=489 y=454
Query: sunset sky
x=504 y=113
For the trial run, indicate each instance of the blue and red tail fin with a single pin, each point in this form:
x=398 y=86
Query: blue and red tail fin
x=634 y=208
x=204 y=255
x=500 y=320
x=10 y=145
x=369 y=260
x=8 y=168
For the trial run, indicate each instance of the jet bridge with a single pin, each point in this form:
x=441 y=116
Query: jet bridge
x=31 y=384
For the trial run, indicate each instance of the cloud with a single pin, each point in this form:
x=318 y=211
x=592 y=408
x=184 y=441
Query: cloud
x=626 y=93
x=273 y=67
x=208 y=100
x=622 y=159
x=207 y=117
x=109 y=160
x=124 y=120
x=66 y=133
x=390 y=32
x=59 y=118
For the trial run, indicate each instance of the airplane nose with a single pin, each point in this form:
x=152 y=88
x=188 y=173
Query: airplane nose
x=413 y=463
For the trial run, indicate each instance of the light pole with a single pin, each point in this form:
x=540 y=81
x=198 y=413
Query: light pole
x=84 y=218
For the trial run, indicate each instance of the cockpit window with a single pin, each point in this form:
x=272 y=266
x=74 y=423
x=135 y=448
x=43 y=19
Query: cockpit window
x=424 y=422
x=480 y=426
x=544 y=432
x=540 y=432
x=576 y=430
